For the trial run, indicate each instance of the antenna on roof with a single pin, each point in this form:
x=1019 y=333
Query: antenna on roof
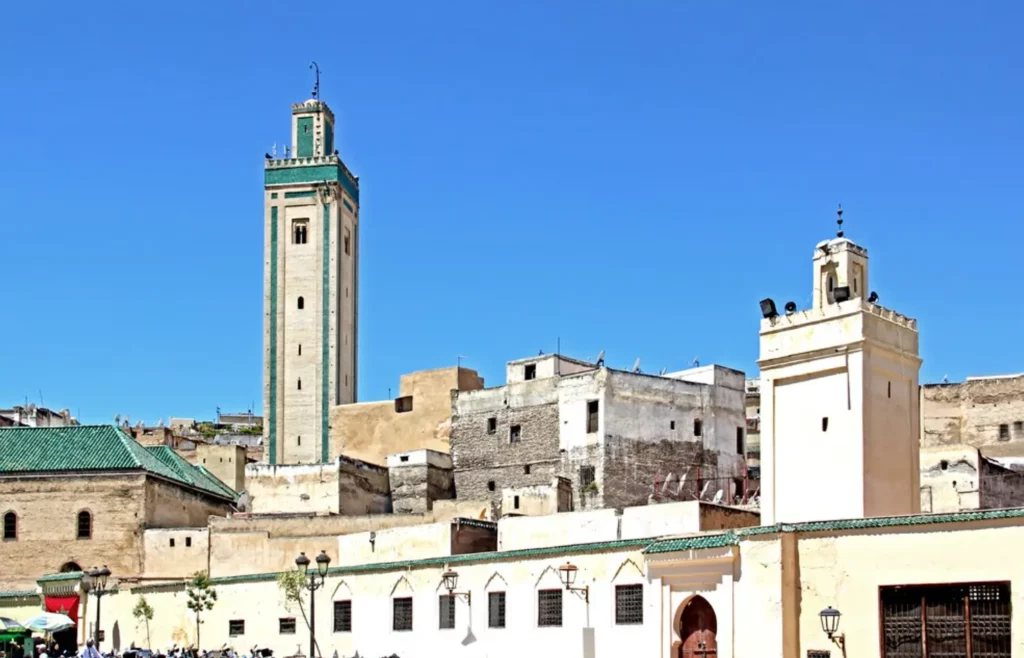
x=636 y=366
x=663 y=370
x=600 y=359
x=696 y=362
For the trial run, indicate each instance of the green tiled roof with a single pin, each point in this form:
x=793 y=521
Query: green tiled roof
x=95 y=448
x=737 y=535
x=19 y=594
x=54 y=577
x=491 y=556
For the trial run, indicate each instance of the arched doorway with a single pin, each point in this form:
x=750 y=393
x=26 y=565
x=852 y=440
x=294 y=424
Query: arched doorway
x=698 y=627
x=70 y=567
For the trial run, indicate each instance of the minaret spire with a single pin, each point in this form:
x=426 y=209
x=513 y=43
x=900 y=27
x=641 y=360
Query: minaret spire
x=313 y=66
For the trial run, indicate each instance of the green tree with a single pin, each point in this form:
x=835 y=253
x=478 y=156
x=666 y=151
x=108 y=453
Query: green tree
x=293 y=585
x=201 y=597
x=143 y=612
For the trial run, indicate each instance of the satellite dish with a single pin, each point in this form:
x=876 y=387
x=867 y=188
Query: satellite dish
x=600 y=358
x=663 y=370
x=636 y=366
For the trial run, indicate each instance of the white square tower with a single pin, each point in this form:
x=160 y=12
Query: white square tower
x=839 y=400
x=311 y=289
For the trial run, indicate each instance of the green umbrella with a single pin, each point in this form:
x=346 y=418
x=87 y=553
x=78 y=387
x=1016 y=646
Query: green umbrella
x=10 y=625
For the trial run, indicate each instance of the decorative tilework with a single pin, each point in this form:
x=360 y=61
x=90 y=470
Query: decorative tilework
x=319 y=173
x=304 y=135
x=272 y=413
x=304 y=194
x=326 y=334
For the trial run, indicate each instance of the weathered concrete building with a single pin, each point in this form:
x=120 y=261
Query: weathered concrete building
x=32 y=416
x=80 y=496
x=418 y=478
x=347 y=486
x=979 y=412
x=616 y=436
x=958 y=478
x=753 y=404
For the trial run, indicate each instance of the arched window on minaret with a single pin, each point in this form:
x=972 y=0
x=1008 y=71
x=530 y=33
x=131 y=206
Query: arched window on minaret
x=302 y=303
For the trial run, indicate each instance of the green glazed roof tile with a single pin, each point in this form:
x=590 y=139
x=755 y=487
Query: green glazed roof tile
x=54 y=577
x=19 y=594
x=697 y=542
x=95 y=448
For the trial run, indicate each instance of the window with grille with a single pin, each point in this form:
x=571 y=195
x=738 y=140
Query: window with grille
x=401 y=615
x=970 y=620
x=549 y=607
x=629 y=604
x=586 y=476
x=496 y=610
x=342 y=616
x=446 y=612
x=10 y=526
x=84 y=525
x=286 y=625
x=236 y=627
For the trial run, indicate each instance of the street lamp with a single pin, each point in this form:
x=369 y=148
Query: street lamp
x=315 y=582
x=451 y=583
x=98 y=586
x=568 y=573
x=830 y=624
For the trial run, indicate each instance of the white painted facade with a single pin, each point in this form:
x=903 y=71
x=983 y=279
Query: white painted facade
x=839 y=401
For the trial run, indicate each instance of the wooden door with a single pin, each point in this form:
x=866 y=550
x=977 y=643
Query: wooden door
x=698 y=627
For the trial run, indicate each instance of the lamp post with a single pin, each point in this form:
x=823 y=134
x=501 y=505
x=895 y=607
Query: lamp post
x=568 y=573
x=451 y=583
x=98 y=586
x=315 y=581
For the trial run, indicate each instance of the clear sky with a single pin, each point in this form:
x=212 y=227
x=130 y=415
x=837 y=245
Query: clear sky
x=626 y=176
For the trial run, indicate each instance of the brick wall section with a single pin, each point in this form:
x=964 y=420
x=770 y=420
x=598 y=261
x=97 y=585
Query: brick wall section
x=1000 y=487
x=631 y=466
x=480 y=457
x=363 y=488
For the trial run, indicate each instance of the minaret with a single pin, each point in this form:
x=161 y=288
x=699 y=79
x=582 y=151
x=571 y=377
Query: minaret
x=311 y=288
x=839 y=399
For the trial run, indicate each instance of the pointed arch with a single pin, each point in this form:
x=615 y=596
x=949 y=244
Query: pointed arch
x=628 y=570
x=548 y=578
x=497 y=582
x=398 y=587
x=342 y=590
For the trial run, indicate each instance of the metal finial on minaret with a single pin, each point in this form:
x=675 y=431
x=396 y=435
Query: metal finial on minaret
x=316 y=86
x=839 y=221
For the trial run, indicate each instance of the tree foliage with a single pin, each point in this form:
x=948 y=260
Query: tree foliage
x=201 y=597
x=143 y=612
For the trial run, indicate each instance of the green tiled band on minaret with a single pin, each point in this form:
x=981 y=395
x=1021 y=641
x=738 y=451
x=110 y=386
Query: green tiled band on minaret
x=272 y=412
x=305 y=137
x=325 y=376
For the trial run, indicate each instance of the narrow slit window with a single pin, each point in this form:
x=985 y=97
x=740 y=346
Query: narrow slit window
x=10 y=526
x=300 y=383
x=84 y=525
x=300 y=349
x=302 y=303
x=824 y=424
x=592 y=416
x=515 y=432
x=889 y=389
x=348 y=243
x=698 y=427
x=492 y=425
x=515 y=502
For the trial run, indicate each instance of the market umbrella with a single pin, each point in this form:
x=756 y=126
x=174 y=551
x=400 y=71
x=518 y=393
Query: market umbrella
x=10 y=625
x=49 y=622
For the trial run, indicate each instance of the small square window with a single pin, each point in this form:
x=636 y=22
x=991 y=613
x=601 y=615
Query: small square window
x=515 y=433
x=629 y=604
x=404 y=458
x=492 y=425
x=401 y=615
x=526 y=469
x=172 y=542
x=1004 y=432
x=286 y=625
x=490 y=485
x=1018 y=426
x=549 y=607
x=496 y=610
x=342 y=616
x=188 y=542
x=446 y=612
x=403 y=404
x=236 y=627
x=530 y=371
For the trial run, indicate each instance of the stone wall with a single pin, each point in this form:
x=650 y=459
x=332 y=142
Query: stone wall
x=487 y=461
x=977 y=412
x=226 y=462
x=171 y=506
x=363 y=488
x=175 y=552
x=1001 y=487
x=47 y=509
x=418 y=479
x=293 y=488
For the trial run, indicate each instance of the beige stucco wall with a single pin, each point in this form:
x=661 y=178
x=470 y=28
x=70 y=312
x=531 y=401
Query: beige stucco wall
x=293 y=488
x=372 y=430
x=227 y=463
x=949 y=479
x=189 y=554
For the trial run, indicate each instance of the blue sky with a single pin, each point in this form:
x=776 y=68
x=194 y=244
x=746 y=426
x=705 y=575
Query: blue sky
x=626 y=176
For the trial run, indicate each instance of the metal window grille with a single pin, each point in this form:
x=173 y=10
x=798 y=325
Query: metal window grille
x=549 y=607
x=401 y=619
x=586 y=476
x=286 y=625
x=496 y=610
x=970 y=620
x=446 y=612
x=236 y=627
x=342 y=616
x=629 y=604
x=84 y=525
